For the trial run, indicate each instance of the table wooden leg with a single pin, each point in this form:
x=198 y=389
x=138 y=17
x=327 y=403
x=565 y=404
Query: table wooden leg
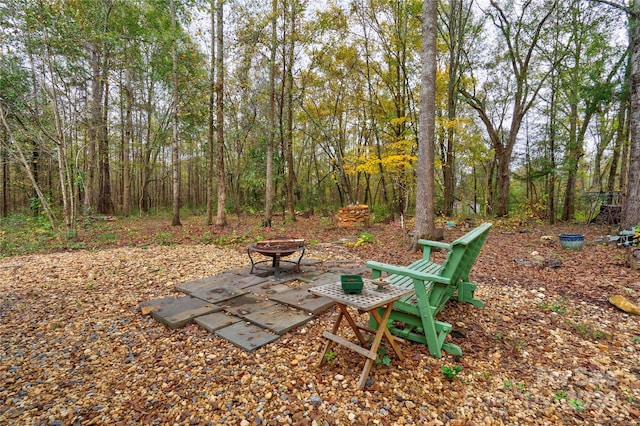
x=327 y=344
x=387 y=333
x=352 y=323
x=382 y=330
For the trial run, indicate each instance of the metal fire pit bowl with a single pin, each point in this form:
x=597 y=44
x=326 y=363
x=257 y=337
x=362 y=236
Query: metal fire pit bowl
x=276 y=249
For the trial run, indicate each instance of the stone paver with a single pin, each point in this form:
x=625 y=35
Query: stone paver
x=206 y=282
x=246 y=304
x=182 y=311
x=310 y=275
x=216 y=289
x=148 y=306
x=279 y=318
x=300 y=298
x=247 y=336
x=268 y=289
x=216 y=321
x=326 y=278
x=243 y=281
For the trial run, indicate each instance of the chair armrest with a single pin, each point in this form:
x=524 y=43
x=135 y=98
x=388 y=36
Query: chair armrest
x=378 y=267
x=434 y=244
x=427 y=244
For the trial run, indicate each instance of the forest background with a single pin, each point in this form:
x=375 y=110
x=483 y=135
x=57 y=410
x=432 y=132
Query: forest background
x=215 y=107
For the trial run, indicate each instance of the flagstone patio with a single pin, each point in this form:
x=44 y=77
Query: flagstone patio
x=250 y=310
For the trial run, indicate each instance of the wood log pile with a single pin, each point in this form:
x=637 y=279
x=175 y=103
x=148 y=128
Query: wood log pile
x=352 y=216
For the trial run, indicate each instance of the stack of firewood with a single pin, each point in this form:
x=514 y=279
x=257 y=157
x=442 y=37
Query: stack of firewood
x=352 y=216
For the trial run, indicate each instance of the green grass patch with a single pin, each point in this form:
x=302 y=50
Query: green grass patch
x=21 y=234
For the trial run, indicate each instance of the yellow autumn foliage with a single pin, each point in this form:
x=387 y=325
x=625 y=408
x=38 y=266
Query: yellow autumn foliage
x=396 y=157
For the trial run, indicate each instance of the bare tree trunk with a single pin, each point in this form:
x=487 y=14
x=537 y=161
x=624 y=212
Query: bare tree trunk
x=126 y=143
x=210 y=138
x=424 y=219
x=105 y=202
x=289 y=117
x=175 y=159
x=96 y=114
x=551 y=182
x=145 y=157
x=621 y=137
x=222 y=195
x=6 y=176
x=631 y=208
x=458 y=16
x=268 y=199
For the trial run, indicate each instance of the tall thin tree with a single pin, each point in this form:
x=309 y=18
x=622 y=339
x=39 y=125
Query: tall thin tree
x=268 y=199
x=175 y=158
x=212 y=97
x=222 y=195
x=424 y=220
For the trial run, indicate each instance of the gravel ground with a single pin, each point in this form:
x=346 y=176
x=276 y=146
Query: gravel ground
x=546 y=349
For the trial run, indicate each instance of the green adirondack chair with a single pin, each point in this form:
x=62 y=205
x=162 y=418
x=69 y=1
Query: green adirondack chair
x=434 y=284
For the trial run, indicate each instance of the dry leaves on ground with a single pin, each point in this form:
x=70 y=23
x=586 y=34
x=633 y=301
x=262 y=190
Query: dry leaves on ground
x=546 y=349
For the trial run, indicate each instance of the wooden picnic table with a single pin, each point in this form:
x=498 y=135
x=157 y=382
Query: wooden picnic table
x=368 y=301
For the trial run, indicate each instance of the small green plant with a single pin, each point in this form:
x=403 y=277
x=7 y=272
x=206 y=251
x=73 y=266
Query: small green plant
x=629 y=396
x=588 y=331
x=107 y=237
x=330 y=356
x=325 y=222
x=365 y=238
x=379 y=213
x=383 y=358
x=557 y=308
x=450 y=373
x=207 y=238
x=522 y=388
x=560 y=395
x=519 y=344
x=636 y=339
x=485 y=375
x=506 y=384
x=227 y=241
x=577 y=404
x=164 y=238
